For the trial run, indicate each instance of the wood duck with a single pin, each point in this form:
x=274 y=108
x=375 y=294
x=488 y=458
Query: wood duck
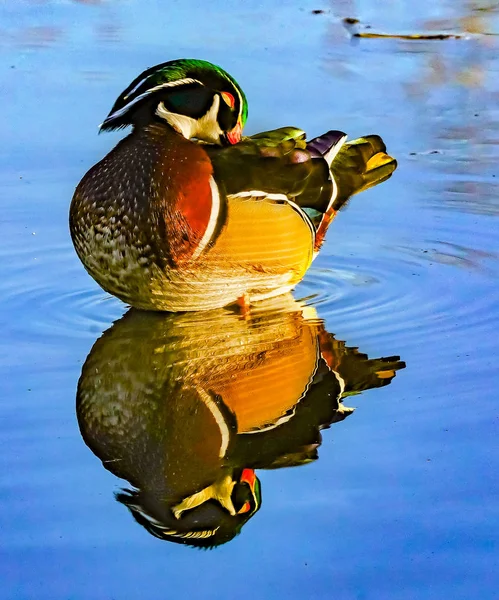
x=187 y=406
x=186 y=214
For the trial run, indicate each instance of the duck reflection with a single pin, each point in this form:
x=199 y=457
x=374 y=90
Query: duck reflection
x=186 y=406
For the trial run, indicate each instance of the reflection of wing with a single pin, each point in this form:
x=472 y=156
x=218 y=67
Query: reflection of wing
x=339 y=371
x=377 y=372
x=272 y=381
x=357 y=370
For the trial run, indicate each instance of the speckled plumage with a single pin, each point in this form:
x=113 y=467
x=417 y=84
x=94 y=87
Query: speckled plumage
x=129 y=234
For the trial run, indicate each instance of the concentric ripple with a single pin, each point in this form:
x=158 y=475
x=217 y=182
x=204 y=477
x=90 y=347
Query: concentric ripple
x=394 y=294
x=408 y=301
x=49 y=287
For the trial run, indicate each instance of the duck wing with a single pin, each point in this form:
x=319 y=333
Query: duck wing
x=316 y=176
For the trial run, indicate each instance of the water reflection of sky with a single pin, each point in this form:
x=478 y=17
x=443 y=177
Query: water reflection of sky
x=401 y=503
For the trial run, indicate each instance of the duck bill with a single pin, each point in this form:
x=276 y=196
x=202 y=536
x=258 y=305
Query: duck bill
x=234 y=135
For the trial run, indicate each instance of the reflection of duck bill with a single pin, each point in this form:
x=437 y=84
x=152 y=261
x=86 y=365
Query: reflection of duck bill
x=248 y=476
x=186 y=406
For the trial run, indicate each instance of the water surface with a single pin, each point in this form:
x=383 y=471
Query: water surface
x=401 y=501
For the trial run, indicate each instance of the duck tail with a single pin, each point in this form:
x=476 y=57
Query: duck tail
x=355 y=166
x=359 y=165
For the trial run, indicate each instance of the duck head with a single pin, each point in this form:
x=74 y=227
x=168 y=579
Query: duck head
x=196 y=98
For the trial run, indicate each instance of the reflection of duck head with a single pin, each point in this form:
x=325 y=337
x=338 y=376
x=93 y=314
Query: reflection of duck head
x=207 y=518
x=186 y=406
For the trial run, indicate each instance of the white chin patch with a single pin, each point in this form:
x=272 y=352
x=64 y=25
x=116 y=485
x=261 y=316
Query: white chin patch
x=181 y=123
x=206 y=128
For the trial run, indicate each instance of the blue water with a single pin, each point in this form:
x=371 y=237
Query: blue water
x=402 y=501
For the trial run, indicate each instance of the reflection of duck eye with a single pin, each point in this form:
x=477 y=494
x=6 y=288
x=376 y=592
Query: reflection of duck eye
x=228 y=99
x=241 y=497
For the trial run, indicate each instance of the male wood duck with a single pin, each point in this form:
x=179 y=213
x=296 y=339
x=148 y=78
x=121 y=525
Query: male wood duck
x=186 y=214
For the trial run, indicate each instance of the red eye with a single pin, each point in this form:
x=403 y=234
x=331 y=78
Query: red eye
x=228 y=99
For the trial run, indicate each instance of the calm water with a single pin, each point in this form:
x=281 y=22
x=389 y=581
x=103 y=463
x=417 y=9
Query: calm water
x=402 y=501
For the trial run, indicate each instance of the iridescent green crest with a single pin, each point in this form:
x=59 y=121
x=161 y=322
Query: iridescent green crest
x=170 y=74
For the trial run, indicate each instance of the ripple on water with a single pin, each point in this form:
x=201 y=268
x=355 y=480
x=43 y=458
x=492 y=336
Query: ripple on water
x=393 y=295
x=402 y=299
x=49 y=288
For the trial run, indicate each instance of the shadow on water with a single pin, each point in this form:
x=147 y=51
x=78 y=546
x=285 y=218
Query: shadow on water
x=186 y=407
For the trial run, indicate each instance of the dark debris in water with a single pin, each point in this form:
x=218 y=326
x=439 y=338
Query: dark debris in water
x=318 y=11
x=412 y=36
x=352 y=24
x=425 y=152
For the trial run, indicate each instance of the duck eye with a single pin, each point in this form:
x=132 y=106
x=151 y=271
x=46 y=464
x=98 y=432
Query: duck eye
x=228 y=99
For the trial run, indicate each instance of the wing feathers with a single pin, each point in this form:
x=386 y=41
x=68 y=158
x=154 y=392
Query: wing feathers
x=327 y=145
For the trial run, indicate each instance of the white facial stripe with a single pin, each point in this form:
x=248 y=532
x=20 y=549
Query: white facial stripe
x=212 y=223
x=162 y=86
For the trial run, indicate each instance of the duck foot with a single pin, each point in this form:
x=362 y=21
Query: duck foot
x=243 y=302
